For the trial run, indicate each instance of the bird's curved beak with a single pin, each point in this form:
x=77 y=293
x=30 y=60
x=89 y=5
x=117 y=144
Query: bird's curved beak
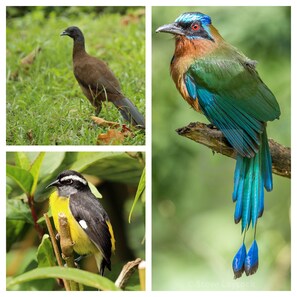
x=53 y=184
x=170 y=28
x=64 y=33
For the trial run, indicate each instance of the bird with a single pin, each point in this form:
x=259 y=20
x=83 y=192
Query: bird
x=98 y=82
x=219 y=81
x=90 y=227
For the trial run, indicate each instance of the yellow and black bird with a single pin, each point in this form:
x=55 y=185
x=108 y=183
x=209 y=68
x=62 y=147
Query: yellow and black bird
x=89 y=224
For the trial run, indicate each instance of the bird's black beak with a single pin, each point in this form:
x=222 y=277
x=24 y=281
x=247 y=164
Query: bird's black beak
x=53 y=184
x=64 y=33
x=171 y=28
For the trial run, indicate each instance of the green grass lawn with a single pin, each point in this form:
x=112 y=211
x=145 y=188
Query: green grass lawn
x=44 y=104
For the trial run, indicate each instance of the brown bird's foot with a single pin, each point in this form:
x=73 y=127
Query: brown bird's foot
x=57 y=237
x=98 y=109
x=78 y=259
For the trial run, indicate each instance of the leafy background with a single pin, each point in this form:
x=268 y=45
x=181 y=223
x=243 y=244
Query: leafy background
x=44 y=103
x=117 y=176
x=192 y=187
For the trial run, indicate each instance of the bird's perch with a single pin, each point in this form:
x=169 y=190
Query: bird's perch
x=126 y=273
x=215 y=140
x=66 y=244
x=66 y=241
x=56 y=248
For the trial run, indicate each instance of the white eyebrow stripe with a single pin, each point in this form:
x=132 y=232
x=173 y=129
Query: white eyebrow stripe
x=74 y=177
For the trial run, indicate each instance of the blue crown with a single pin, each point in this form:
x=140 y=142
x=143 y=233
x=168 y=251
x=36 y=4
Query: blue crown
x=189 y=17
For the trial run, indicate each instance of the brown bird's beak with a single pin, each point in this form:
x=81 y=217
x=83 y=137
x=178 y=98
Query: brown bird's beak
x=64 y=33
x=170 y=28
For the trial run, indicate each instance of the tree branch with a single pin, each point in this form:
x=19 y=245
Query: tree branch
x=56 y=248
x=37 y=227
x=126 y=273
x=67 y=246
x=215 y=140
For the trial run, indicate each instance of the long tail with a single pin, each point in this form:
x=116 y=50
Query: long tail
x=129 y=112
x=251 y=176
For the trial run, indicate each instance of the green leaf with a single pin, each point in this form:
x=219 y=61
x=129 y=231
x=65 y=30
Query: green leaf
x=109 y=166
x=22 y=160
x=85 y=159
x=21 y=176
x=45 y=254
x=18 y=210
x=14 y=231
x=77 y=275
x=51 y=161
x=94 y=190
x=139 y=192
x=8 y=190
x=34 y=170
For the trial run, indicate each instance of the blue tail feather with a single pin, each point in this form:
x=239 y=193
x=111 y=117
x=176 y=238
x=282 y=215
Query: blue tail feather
x=266 y=162
x=237 y=177
x=238 y=192
x=238 y=262
x=255 y=197
x=250 y=177
x=251 y=261
x=261 y=200
x=248 y=189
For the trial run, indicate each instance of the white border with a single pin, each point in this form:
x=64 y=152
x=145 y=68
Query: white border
x=147 y=147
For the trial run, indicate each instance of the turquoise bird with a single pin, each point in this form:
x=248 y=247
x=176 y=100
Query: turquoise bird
x=222 y=83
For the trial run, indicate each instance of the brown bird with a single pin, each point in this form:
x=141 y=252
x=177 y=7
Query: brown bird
x=98 y=82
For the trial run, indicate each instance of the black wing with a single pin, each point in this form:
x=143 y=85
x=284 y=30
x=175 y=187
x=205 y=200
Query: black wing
x=85 y=206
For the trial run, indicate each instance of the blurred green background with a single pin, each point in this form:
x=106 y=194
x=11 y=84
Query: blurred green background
x=116 y=176
x=194 y=236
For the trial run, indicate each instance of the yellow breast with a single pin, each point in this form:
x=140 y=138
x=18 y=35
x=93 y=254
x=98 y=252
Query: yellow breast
x=82 y=244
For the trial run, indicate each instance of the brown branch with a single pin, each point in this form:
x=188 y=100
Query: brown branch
x=66 y=244
x=215 y=140
x=56 y=248
x=66 y=241
x=126 y=273
x=34 y=216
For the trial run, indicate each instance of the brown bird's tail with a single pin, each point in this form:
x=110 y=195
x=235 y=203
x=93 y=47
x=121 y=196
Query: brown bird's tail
x=129 y=112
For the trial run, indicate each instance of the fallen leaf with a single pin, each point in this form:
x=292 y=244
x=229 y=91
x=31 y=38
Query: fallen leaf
x=104 y=123
x=111 y=137
x=29 y=59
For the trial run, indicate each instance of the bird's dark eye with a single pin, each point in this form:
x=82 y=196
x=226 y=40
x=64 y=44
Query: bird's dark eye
x=195 y=27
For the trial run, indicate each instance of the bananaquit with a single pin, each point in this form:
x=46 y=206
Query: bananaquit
x=89 y=224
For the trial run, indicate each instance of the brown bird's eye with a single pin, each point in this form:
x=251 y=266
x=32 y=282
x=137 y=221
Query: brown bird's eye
x=195 y=27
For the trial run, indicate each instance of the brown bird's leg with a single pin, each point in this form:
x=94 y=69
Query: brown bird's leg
x=98 y=106
x=94 y=98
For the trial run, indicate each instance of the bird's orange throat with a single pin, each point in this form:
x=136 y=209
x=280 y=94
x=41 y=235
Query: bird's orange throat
x=186 y=51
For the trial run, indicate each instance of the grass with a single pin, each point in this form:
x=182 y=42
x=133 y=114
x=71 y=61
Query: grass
x=44 y=103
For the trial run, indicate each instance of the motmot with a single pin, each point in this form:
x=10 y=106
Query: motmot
x=219 y=81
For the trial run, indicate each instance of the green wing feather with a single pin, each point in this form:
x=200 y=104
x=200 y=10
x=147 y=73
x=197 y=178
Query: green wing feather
x=233 y=77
